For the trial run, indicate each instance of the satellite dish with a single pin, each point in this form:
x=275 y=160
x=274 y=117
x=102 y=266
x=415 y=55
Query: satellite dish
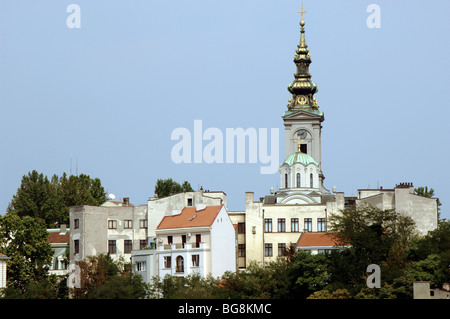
x=111 y=196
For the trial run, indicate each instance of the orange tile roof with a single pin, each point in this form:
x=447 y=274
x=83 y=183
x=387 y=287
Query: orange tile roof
x=55 y=238
x=190 y=217
x=317 y=239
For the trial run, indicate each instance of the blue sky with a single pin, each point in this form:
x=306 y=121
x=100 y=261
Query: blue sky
x=108 y=95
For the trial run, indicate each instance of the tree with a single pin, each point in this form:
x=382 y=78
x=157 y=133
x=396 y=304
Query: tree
x=193 y=286
x=326 y=294
x=103 y=278
x=308 y=273
x=24 y=240
x=436 y=242
x=167 y=187
x=372 y=232
x=50 y=200
x=374 y=236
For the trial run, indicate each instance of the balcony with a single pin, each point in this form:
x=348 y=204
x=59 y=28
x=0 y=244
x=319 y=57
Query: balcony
x=180 y=246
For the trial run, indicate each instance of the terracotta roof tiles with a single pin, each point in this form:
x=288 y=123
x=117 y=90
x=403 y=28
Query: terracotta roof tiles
x=190 y=217
x=317 y=239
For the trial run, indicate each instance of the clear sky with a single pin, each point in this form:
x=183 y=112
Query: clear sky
x=108 y=95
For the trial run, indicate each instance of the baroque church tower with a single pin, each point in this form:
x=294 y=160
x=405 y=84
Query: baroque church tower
x=301 y=177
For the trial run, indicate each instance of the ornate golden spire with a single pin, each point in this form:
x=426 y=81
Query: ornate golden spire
x=302 y=88
x=302 y=22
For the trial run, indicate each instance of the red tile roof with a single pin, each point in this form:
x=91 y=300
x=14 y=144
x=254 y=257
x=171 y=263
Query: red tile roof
x=317 y=239
x=55 y=238
x=190 y=217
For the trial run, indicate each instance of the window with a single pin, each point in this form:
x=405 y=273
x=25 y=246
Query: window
x=76 y=223
x=281 y=225
x=311 y=180
x=189 y=202
x=241 y=250
x=183 y=240
x=281 y=249
x=320 y=224
x=76 y=246
x=298 y=179
x=294 y=225
x=170 y=240
x=308 y=224
x=195 y=260
x=167 y=262
x=112 y=246
x=241 y=228
x=180 y=264
x=141 y=266
x=142 y=243
x=128 y=224
x=304 y=148
x=268 y=225
x=198 y=240
x=112 y=224
x=268 y=250
x=286 y=180
x=127 y=246
x=143 y=223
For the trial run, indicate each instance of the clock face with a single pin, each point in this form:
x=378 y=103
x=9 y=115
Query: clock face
x=302 y=133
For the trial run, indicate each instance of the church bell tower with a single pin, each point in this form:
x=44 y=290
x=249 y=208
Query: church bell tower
x=301 y=177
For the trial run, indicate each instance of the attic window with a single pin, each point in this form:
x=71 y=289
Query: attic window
x=192 y=217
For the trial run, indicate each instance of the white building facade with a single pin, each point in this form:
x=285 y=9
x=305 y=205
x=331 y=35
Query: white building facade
x=3 y=260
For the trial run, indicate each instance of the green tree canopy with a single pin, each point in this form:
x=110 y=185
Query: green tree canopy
x=167 y=187
x=50 y=200
x=101 y=277
x=24 y=241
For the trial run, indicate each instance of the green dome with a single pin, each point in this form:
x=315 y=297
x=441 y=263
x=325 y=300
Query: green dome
x=299 y=157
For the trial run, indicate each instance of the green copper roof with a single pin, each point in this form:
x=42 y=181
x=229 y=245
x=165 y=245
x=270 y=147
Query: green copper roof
x=299 y=157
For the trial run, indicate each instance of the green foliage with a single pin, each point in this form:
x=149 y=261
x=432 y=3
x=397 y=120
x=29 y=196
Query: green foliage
x=372 y=232
x=50 y=200
x=103 y=278
x=309 y=273
x=325 y=294
x=192 y=286
x=24 y=241
x=167 y=187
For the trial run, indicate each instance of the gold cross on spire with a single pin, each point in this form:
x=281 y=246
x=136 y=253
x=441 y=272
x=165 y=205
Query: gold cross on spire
x=302 y=11
x=299 y=140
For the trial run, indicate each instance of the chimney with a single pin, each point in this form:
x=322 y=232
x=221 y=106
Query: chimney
x=62 y=229
x=126 y=201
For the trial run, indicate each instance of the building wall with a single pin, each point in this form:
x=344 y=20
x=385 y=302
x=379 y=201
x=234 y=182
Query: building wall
x=257 y=212
x=93 y=232
x=167 y=206
x=2 y=273
x=148 y=256
x=237 y=218
x=421 y=209
x=223 y=244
